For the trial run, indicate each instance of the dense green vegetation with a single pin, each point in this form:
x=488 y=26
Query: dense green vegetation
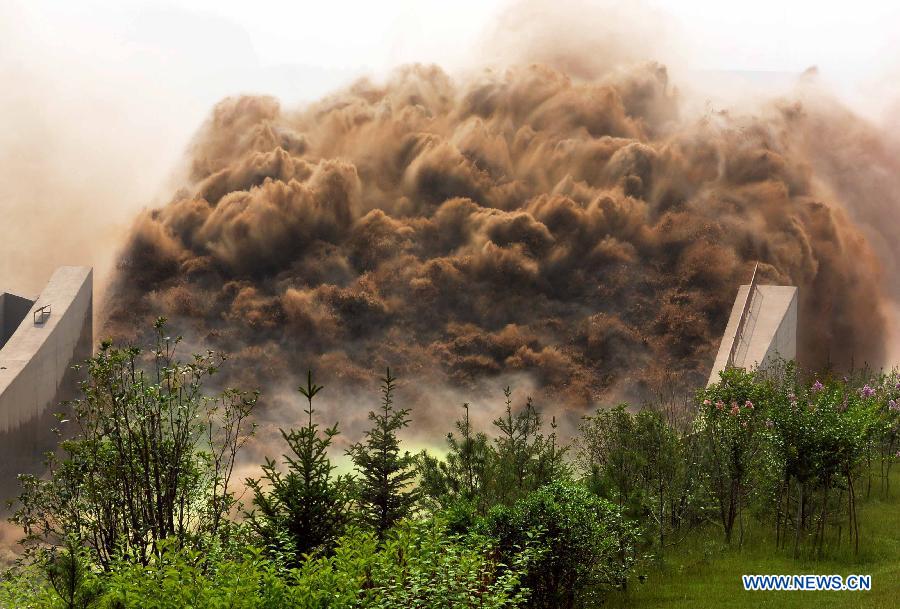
x=773 y=471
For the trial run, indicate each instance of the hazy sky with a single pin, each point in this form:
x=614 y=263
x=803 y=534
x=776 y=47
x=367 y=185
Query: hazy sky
x=851 y=42
x=100 y=97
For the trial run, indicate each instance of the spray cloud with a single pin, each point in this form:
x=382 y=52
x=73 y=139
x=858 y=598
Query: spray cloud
x=520 y=220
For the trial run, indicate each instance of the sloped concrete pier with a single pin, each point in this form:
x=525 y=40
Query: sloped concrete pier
x=762 y=326
x=44 y=338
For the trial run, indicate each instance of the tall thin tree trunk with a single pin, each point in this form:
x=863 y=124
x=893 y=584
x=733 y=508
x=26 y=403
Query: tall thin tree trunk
x=799 y=523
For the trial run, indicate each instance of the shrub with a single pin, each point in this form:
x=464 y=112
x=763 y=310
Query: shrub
x=419 y=565
x=728 y=425
x=643 y=465
x=150 y=458
x=481 y=473
x=178 y=578
x=820 y=436
x=586 y=545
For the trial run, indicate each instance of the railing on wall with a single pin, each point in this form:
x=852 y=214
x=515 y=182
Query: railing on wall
x=742 y=322
x=41 y=314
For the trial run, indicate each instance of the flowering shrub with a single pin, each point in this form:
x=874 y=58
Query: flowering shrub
x=887 y=432
x=818 y=438
x=729 y=424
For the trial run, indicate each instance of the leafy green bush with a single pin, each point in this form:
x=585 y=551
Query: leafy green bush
x=820 y=436
x=419 y=565
x=176 y=579
x=643 y=465
x=423 y=566
x=25 y=587
x=150 y=457
x=729 y=425
x=585 y=545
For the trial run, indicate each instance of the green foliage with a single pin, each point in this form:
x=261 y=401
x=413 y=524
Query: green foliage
x=418 y=565
x=523 y=458
x=478 y=473
x=150 y=457
x=135 y=512
x=609 y=453
x=176 y=579
x=26 y=587
x=886 y=434
x=56 y=578
x=586 y=545
x=819 y=438
x=643 y=465
x=796 y=450
x=667 y=475
x=461 y=478
x=385 y=475
x=421 y=564
x=305 y=509
x=729 y=425
x=67 y=571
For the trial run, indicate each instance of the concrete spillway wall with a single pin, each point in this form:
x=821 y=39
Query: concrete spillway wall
x=43 y=348
x=36 y=369
x=762 y=326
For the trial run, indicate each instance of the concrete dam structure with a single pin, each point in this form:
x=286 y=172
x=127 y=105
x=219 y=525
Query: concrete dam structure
x=40 y=341
x=761 y=327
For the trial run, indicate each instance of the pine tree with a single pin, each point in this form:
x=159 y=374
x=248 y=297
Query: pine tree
x=305 y=509
x=464 y=474
x=524 y=459
x=384 y=492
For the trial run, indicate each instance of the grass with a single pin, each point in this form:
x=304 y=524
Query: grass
x=703 y=572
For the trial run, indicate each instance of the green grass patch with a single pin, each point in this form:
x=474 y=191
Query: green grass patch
x=703 y=572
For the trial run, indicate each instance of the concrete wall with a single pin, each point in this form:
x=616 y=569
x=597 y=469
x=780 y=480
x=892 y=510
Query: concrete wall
x=36 y=372
x=770 y=329
x=784 y=343
x=37 y=356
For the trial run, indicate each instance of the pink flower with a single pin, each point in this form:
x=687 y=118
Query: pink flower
x=720 y=405
x=748 y=405
x=735 y=410
x=706 y=402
